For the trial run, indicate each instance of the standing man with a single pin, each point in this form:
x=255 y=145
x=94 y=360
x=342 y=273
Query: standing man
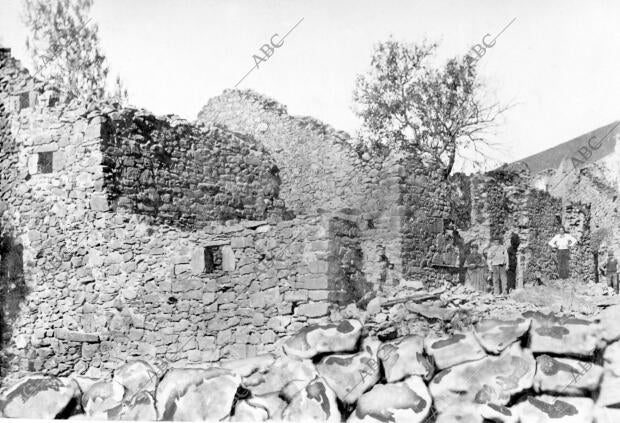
x=563 y=242
x=497 y=259
x=512 y=261
x=610 y=270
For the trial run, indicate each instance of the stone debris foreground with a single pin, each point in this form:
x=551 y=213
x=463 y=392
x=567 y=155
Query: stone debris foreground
x=519 y=370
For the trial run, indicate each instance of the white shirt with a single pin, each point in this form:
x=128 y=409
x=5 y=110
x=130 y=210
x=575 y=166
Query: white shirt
x=563 y=241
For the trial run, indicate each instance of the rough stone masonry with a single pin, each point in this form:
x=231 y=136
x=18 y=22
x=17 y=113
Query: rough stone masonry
x=534 y=368
x=125 y=235
x=157 y=238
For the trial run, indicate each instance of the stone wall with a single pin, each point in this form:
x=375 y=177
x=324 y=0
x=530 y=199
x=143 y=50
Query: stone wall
x=533 y=367
x=505 y=201
x=427 y=216
x=184 y=174
x=112 y=274
x=131 y=235
x=595 y=184
x=52 y=170
x=320 y=169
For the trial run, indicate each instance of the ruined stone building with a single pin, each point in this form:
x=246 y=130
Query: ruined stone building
x=585 y=169
x=129 y=235
x=125 y=234
x=582 y=178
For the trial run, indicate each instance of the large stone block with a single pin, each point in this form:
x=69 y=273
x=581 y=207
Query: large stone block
x=314 y=282
x=181 y=394
x=70 y=335
x=497 y=335
x=318 y=309
x=38 y=398
x=566 y=376
x=350 y=375
x=228 y=259
x=99 y=202
x=563 y=335
x=317 y=402
x=547 y=408
x=456 y=349
x=197 y=261
x=405 y=357
x=492 y=379
x=314 y=339
x=404 y=402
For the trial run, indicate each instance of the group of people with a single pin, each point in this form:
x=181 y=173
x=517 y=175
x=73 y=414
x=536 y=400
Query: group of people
x=499 y=267
x=498 y=264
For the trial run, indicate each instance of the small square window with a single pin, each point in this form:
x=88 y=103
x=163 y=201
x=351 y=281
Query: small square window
x=213 y=259
x=45 y=163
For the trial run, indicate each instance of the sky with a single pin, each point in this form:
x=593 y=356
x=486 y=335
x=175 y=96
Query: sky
x=557 y=64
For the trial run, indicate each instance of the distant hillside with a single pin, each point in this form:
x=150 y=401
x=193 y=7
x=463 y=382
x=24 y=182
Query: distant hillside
x=606 y=137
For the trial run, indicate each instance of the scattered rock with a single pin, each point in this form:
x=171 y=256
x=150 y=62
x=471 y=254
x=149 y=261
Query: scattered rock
x=432 y=312
x=493 y=379
x=405 y=357
x=39 y=397
x=402 y=402
x=374 y=305
x=103 y=400
x=315 y=339
x=136 y=376
x=272 y=404
x=497 y=335
x=456 y=349
x=550 y=409
x=196 y=394
x=247 y=366
x=609 y=395
x=245 y=412
x=611 y=358
x=562 y=335
x=609 y=319
x=286 y=376
x=350 y=375
x=566 y=376
x=606 y=415
x=140 y=406
x=316 y=402
x=497 y=413
x=469 y=413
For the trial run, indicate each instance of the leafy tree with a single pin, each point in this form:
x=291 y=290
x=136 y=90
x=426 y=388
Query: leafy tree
x=64 y=45
x=436 y=113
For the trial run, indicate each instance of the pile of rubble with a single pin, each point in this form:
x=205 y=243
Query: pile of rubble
x=457 y=307
x=534 y=368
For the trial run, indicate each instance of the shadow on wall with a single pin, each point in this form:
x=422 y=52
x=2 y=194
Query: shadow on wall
x=13 y=290
x=346 y=262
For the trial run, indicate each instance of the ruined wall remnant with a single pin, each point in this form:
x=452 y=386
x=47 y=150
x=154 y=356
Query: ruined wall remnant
x=184 y=174
x=133 y=235
x=153 y=237
x=543 y=211
x=505 y=201
x=427 y=216
x=320 y=169
x=585 y=170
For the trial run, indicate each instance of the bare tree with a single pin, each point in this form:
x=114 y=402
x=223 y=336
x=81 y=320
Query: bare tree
x=435 y=113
